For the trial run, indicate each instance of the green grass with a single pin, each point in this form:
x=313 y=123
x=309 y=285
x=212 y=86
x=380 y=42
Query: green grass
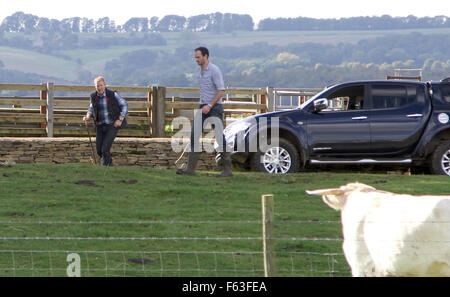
x=140 y=221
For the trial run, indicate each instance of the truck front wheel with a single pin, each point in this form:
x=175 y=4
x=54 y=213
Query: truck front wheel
x=280 y=159
x=440 y=159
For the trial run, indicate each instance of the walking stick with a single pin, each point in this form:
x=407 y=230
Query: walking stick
x=93 y=158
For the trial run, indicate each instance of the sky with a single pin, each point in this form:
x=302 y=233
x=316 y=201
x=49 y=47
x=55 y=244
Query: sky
x=121 y=11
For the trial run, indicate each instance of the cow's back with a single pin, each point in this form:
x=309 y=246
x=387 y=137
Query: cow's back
x=409 y=235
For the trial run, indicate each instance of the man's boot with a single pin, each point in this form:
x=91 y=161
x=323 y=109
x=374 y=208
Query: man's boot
x=192 y=164
x=226 y=163
x=106 y=159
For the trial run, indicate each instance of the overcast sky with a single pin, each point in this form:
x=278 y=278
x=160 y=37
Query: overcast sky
x=121 y=11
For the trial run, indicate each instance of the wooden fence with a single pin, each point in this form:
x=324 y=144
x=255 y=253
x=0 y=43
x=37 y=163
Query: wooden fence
x=57 y=110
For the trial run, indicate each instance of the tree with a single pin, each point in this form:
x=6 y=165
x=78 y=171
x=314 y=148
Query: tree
x=172 y=23
x=136 y=25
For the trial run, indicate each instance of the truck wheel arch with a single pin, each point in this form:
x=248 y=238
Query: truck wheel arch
x=438 y=138
x=440 y=159
x=292 y=138
x=287 y=136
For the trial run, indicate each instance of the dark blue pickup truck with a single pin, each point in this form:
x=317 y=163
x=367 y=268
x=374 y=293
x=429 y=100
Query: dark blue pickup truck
x=363 y=122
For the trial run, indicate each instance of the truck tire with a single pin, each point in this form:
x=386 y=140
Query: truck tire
x=280 y=159
x=440 y=159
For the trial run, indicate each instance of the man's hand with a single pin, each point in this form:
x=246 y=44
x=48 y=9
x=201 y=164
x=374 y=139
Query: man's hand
x=117 y=123
x=206 y=109
x=86 y=118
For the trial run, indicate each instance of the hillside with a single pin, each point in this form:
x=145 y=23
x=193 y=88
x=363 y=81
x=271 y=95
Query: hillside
x=247 y=58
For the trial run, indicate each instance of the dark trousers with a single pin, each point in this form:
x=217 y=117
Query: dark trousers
x=216 y=111
x=104 y=140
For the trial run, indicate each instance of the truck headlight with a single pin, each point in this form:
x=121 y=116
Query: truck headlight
x=231 y=131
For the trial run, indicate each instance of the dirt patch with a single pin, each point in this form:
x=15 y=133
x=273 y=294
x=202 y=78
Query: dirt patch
x=88 y=183
x=379 y=181
x=141 y=261
x=129 y=182
x=18 y=214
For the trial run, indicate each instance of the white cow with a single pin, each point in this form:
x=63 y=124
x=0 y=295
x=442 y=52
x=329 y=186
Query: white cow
x=387 y=234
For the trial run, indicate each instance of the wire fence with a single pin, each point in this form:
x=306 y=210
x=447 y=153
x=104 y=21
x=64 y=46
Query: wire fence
x=166 y=263
x=86 y=248
x=163 y=263
x=103 y=254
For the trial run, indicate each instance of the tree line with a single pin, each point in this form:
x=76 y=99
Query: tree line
x=385 y=22
x=214 y=22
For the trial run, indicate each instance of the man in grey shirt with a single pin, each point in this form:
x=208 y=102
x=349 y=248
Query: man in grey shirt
x=212 y=89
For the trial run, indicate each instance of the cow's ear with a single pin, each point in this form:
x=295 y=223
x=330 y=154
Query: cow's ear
x=358 y=186
x=334 y=198
x=320 y=192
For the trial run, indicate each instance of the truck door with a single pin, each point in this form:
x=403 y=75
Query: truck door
x=397 y=117
x=342 y=128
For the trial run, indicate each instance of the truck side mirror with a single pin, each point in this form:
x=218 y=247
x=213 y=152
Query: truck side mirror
x=320 y=104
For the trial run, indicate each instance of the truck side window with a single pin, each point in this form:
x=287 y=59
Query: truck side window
x=390 y=96
x=349 y=98
x=445 y=90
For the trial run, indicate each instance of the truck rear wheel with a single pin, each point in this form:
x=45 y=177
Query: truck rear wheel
x=280 y=159
x=440 y=159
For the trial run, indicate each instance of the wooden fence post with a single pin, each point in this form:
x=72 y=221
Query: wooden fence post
x=49 y=109
x=270 y=99
x=268 y=228
x=43 y=108
x=159 y=111
x=149 y=110
x=263 y=101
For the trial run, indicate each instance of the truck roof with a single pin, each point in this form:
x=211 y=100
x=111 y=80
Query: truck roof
x=381 y=81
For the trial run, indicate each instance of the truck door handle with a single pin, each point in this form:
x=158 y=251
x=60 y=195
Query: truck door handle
x=359 y=118
x=415 y=115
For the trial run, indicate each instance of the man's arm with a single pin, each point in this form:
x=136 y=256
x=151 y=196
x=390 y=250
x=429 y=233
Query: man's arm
x=217 y=97
x=89 y=113
x=123 y=105
x=123 y=109
x=218 y=81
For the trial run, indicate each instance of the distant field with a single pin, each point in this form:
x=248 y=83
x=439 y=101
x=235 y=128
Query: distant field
x=34 y=62
x=141 y=221
x=242 y=38
x=94 y=59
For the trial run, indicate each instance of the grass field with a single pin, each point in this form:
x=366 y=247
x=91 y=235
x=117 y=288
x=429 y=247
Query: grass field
x=140 y=221
x=34 y=62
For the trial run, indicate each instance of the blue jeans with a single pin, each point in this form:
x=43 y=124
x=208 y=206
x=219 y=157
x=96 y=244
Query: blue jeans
x=216 y=111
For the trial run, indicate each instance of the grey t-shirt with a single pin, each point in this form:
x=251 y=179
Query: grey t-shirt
x=211 y=82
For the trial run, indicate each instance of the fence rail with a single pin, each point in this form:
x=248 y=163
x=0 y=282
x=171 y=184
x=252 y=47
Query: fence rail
x=57 y=110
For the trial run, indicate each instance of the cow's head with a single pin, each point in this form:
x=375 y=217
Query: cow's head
x=336 y=197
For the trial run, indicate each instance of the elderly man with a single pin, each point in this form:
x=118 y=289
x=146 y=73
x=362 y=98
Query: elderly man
x=109 y=110
x=212 y=89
